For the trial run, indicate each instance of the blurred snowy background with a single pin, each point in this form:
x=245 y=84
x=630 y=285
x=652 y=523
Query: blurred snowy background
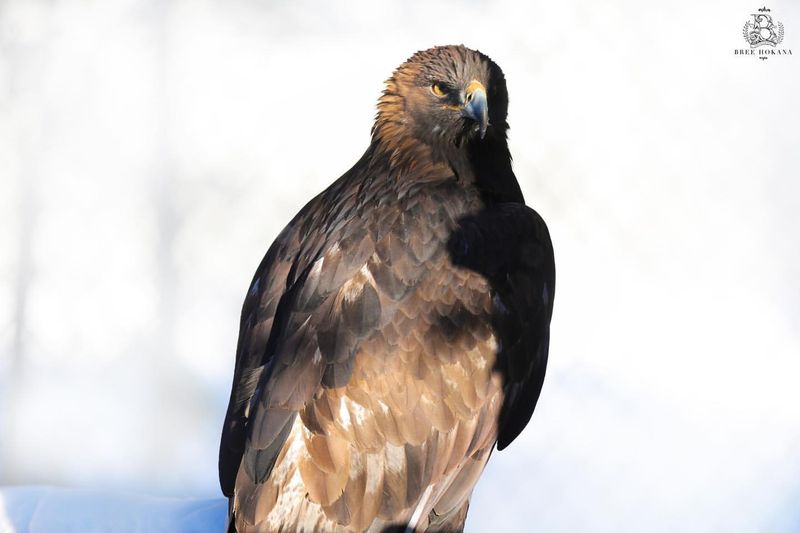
x=150 y=151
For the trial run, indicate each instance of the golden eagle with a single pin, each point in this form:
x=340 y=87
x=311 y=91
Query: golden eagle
x=398 y=327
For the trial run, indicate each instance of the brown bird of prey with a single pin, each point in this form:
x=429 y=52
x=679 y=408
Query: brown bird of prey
x=398 y=327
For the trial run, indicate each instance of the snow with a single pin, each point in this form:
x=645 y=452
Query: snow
x=37 y=509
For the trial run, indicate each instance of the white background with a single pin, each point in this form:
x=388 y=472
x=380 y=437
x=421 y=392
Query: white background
x=151 y=151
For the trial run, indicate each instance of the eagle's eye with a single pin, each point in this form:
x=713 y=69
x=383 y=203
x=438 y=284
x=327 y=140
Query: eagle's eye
x=438 y=90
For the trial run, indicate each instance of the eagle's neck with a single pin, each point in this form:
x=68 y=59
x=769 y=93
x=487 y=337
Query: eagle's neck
x=484 y=163
x=407 y=158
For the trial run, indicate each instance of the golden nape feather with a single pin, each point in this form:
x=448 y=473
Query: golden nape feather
x=398 y=328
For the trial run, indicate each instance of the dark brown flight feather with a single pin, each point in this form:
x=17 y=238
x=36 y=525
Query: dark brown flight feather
x=398 y=328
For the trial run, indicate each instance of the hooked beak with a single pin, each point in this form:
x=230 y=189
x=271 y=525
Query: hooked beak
x=476 y=106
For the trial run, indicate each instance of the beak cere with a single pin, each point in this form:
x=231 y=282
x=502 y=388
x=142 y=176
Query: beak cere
x=476 y=107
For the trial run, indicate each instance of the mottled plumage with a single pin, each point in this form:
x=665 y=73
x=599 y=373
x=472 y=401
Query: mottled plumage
x=398 y=327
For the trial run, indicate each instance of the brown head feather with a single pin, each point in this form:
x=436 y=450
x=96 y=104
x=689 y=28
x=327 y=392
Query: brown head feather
x=413 y=124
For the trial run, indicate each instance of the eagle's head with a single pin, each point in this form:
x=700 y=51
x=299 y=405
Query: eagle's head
x=447 y=98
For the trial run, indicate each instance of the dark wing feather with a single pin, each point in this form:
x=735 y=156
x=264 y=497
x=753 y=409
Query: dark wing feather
x=510 y=245
x=289 y=317
x=258 y=313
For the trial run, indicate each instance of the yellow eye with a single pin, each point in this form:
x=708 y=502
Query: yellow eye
x=437 y=89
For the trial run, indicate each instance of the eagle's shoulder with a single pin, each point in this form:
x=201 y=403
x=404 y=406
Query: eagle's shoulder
x=294 y=249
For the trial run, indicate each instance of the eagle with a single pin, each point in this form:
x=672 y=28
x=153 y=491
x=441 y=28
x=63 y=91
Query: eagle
x=397 y=330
